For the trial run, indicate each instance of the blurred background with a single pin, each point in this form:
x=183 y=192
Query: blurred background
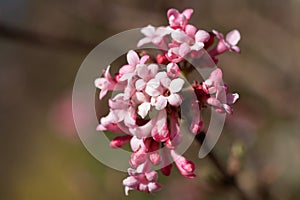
x=42 y=45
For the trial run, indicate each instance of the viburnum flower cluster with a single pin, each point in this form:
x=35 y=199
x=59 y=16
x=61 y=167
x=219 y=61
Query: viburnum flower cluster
x=146 y=111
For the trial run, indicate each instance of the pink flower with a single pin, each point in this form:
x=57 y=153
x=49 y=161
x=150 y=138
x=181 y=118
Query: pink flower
x=107 y=83
x=154 y=35
x=162 y=90
x=128 y=71
x=146 y=182
x=221 y=99
x=229 y=43
x=179 y=20
x=185 y=166
x=173 y=70
x=185 y=42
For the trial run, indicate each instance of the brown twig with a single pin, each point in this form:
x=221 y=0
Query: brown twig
x=229 y=180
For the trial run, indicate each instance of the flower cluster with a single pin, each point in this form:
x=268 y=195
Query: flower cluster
x=145 y=112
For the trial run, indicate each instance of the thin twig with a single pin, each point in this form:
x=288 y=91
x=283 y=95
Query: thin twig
x=228 y=179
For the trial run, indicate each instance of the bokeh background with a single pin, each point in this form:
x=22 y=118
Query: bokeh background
x=42 y=44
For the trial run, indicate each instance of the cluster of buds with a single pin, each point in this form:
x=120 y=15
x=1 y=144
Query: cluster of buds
x=146 y=111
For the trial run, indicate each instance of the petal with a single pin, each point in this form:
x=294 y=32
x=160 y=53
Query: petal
x=152 y=88
x=216 y=75
x=180 y=36
x=148 y=31
x=214 y=102
x=219 y=35
x=173 y=70
x=143 y=41
x=161 y=102
x=140 y=84
x=202 y=36
x=184 y=49
x=153 y=69
x=175 y=99
x=173 y=12
x=233 y=37
x=132 y=58
x=232 y=98
x=135 y=143
x=140 y=96
x=143 y=109
x=176 y=85
x=151 y=176
x=100 y=82
x=190 y=30
x=142 y=70
x=188 y=13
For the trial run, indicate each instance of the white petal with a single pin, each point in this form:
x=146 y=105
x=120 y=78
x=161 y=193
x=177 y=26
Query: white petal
x=176 y=85
x=161 y=102
x=140 y=84
x=175 y=99
x=143 y=109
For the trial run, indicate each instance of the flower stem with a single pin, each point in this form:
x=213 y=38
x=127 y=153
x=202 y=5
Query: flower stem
x=227 y=179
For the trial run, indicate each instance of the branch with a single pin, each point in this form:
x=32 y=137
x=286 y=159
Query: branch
x=228 y=179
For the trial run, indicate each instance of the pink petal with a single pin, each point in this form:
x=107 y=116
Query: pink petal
x=214 y=102
x=143 y=41
x=180 y=36
x=233 y=37
x=135 y=143
x=216 y=75
x=202 y=36
x=120 y=141
x=188 y=13
x=148 y=31
x=151 y=176
x=173 y=12
x=153 y=187
x=140 y=84
x=184 y=49
x=132 y=58
x=173 y=70
x=152 y=88
x=190 y=30
x=232 y=98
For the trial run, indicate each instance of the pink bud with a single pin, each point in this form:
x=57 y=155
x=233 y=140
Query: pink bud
x=120 y=141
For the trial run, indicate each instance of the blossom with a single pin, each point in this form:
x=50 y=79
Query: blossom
x=164 y=90
x=145 y=112
x=127 y=71
x=228 y=43
x=221 y=99
x=154 y=35
x=146 y=182
x=185 y=166
x=107 y=83
x=177 y=19
x=185 y=42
